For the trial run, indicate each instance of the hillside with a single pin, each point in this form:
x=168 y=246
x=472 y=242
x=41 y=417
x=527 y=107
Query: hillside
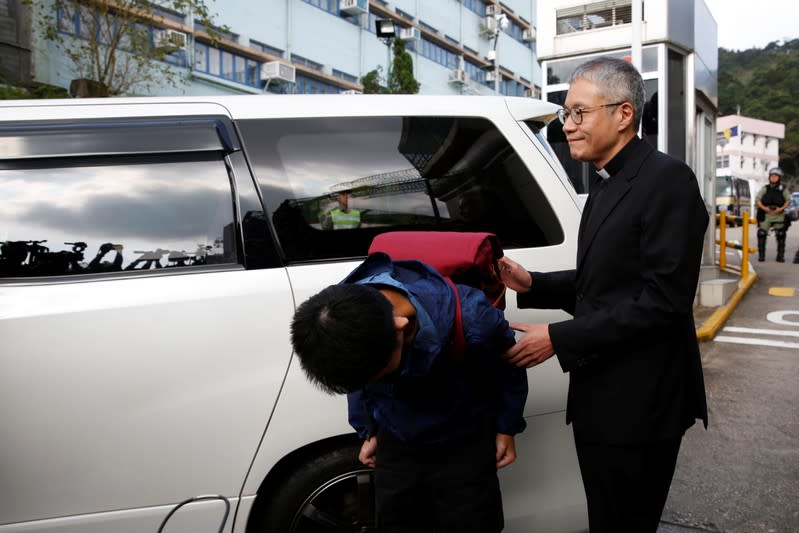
x=765 y=84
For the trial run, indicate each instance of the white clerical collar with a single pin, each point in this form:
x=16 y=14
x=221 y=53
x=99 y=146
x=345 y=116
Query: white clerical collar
x=603 y=173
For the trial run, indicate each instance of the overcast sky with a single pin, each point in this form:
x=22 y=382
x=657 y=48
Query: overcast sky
x=745 y=24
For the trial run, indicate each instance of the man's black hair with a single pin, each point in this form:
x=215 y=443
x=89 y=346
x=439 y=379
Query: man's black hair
x=344 y=336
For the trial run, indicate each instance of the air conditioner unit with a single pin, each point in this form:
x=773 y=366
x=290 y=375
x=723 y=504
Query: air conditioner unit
x=278 y=71
x=459 y=75
x=172 y=39
x=410 y=34
x=492 y=10
x=528 y=35
x=353 y=7
x=489 y=25
x=491 y=75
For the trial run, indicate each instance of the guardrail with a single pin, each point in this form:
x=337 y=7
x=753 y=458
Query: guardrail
x=716 y=320
x=743 y=245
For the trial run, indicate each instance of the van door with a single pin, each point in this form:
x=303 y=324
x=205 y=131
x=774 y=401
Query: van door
x=145 y=335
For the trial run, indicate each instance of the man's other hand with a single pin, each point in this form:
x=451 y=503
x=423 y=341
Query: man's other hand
x=533 y=348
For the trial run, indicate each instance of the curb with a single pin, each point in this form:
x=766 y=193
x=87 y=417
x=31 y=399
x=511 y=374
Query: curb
x=713 y=324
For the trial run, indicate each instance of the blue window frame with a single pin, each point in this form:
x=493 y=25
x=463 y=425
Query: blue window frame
x=345 y=76
x=331 y=6
x=269 y=49
x=476 y=72
x=83 y=21
x=227 y=65
x=437 y=53
x=306 y=62
x=477 y=6
x=309 y=85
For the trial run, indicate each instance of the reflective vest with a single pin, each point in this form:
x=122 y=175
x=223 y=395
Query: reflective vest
x=345 y=219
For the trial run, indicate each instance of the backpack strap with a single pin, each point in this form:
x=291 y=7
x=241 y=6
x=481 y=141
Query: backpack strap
x=457 y=347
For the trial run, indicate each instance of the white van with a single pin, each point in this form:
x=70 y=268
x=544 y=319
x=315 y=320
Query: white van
x=152 y=253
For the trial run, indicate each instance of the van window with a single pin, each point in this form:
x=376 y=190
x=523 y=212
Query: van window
x=70 y=216
x=330 y=185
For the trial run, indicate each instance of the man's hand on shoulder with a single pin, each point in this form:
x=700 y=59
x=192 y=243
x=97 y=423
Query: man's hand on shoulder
x=533 y=348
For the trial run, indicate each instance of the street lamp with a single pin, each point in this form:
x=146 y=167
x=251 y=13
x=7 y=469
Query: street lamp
x=386 y=31
x=385 y=28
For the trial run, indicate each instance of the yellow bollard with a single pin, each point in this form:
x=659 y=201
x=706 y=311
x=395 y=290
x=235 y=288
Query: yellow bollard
x=745 y=245
x=722 y=239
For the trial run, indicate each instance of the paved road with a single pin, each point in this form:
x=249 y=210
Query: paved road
x=742 y=474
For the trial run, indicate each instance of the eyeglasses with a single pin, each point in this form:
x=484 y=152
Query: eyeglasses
x=577 y=114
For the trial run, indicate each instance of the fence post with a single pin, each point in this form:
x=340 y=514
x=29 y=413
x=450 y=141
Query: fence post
x=722 y=239
x=745 y=246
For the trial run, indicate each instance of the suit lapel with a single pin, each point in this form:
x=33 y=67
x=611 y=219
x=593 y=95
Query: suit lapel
x=618 y=186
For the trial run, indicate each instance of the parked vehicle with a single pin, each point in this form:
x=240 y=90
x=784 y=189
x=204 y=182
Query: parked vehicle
x=733 y=197
x=152 y=252
x=793 y=208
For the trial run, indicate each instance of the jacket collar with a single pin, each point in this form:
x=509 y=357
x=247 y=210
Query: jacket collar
x=631 y=157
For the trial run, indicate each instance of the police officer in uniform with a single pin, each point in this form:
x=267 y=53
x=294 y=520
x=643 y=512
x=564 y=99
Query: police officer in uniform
x=772 y=200
x=342 y=217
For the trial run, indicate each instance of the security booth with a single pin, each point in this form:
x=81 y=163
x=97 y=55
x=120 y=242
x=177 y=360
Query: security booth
x=677 y=40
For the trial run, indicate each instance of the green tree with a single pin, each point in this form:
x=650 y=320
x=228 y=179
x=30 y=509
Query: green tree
x=114 y=52
x=371 y=81
x=400 y=78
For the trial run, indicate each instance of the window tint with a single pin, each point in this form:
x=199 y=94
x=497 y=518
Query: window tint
x=92 y=215
x=331 y=185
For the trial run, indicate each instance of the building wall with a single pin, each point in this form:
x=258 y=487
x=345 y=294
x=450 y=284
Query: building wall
x=14 y=42
x=747 y=147
x=331 y=50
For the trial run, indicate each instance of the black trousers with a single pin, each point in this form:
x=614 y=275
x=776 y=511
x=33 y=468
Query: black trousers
x=450 y=488
x=626 y=486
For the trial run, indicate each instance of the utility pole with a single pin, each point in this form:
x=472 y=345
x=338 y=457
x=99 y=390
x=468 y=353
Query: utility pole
x=501 y=22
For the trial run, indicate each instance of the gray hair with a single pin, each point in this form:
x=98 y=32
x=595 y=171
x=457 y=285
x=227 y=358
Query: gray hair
x=617 y=80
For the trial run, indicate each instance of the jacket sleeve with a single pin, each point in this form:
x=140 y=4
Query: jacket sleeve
x=487 y=332
x=671 y=238
x=550 y=290
x=359 y=417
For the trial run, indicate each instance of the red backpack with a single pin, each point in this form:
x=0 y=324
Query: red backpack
x=467 y=258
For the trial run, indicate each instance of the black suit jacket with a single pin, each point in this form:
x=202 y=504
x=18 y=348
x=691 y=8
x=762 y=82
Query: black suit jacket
x=631 y=348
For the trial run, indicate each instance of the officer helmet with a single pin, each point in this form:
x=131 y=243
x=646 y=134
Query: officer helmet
x=776 y=171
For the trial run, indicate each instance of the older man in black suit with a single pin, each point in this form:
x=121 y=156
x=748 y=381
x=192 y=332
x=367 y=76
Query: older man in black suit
x=636 y=379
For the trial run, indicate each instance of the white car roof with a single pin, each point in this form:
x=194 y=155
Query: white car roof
x=278 y=106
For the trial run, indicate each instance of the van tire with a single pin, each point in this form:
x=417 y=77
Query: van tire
x=331 y=491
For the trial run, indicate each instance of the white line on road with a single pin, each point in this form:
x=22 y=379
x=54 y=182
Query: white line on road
x=756 y=331
x=756 y=342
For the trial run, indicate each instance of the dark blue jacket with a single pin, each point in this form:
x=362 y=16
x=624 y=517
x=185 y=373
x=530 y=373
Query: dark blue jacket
x=431 y=399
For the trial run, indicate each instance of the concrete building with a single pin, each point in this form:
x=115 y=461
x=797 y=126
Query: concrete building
x=325 y=46
x=747 y=147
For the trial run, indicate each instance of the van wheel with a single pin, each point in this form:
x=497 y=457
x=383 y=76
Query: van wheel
x=331 y=492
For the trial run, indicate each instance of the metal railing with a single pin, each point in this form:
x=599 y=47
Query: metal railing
x=716 y=320
x=743 y=245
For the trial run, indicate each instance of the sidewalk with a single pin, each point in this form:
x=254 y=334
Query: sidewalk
x=709 y=320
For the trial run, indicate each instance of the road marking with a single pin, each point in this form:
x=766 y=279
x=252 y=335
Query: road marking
x=756 y=342
x=756 y=331
x=778 y=317
x=782 y=291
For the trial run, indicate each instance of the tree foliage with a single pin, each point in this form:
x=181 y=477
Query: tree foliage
x=764 y=84
x=400 y=79
x=115 y=46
